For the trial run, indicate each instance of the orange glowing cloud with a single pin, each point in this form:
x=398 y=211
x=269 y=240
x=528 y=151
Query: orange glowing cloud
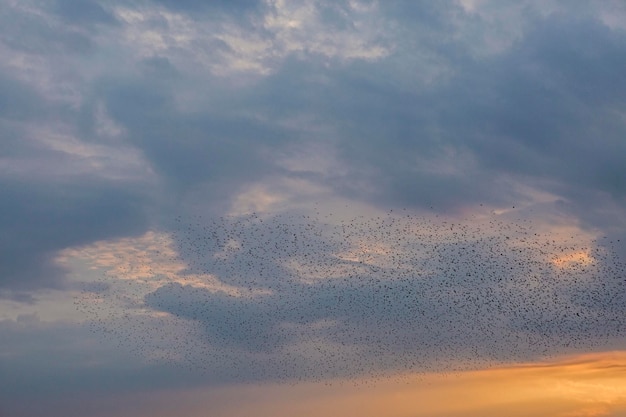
x=573 y=259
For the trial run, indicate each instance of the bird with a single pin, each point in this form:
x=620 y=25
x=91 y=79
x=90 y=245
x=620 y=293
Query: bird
x=311 y=296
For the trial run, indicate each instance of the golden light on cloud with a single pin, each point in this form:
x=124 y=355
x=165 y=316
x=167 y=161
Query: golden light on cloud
x=573 y=259
x=150 y=259
x=589 y=385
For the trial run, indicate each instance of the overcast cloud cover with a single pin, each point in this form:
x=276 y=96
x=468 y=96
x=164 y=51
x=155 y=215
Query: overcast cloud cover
x=123 y=122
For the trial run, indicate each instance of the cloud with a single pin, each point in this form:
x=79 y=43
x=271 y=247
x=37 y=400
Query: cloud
x=54 y=361
x=194 y=6
x=39 y=220
x=83 y=13
x=398 y=291
x=574 y=386
x=528 y=112
x=179 y=146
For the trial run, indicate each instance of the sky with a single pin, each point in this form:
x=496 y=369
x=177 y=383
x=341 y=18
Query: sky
x=278 y=208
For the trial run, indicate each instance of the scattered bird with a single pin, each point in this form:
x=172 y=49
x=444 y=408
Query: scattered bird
x=312 y=296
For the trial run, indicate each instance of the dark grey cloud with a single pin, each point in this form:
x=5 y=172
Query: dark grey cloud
x=27 y=31
x=489 y=293
x=193 y=6
x=40 y=219
x=533 y=110
x=192 y=148
x=83 y=13
x=159 y=67
x=544 y=109
x=47 y=206
x=18 y=101
x=70 y=360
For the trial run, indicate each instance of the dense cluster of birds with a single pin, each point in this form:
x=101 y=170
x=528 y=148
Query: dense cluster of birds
x=313 y=296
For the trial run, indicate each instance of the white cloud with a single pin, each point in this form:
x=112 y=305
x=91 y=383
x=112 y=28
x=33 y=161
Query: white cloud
x=113 y=161
x=227 y=47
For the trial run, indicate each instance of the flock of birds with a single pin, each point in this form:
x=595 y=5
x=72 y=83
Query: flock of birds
x=314 y=297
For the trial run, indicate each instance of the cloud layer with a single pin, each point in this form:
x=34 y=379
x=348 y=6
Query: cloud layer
x=269 y=181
